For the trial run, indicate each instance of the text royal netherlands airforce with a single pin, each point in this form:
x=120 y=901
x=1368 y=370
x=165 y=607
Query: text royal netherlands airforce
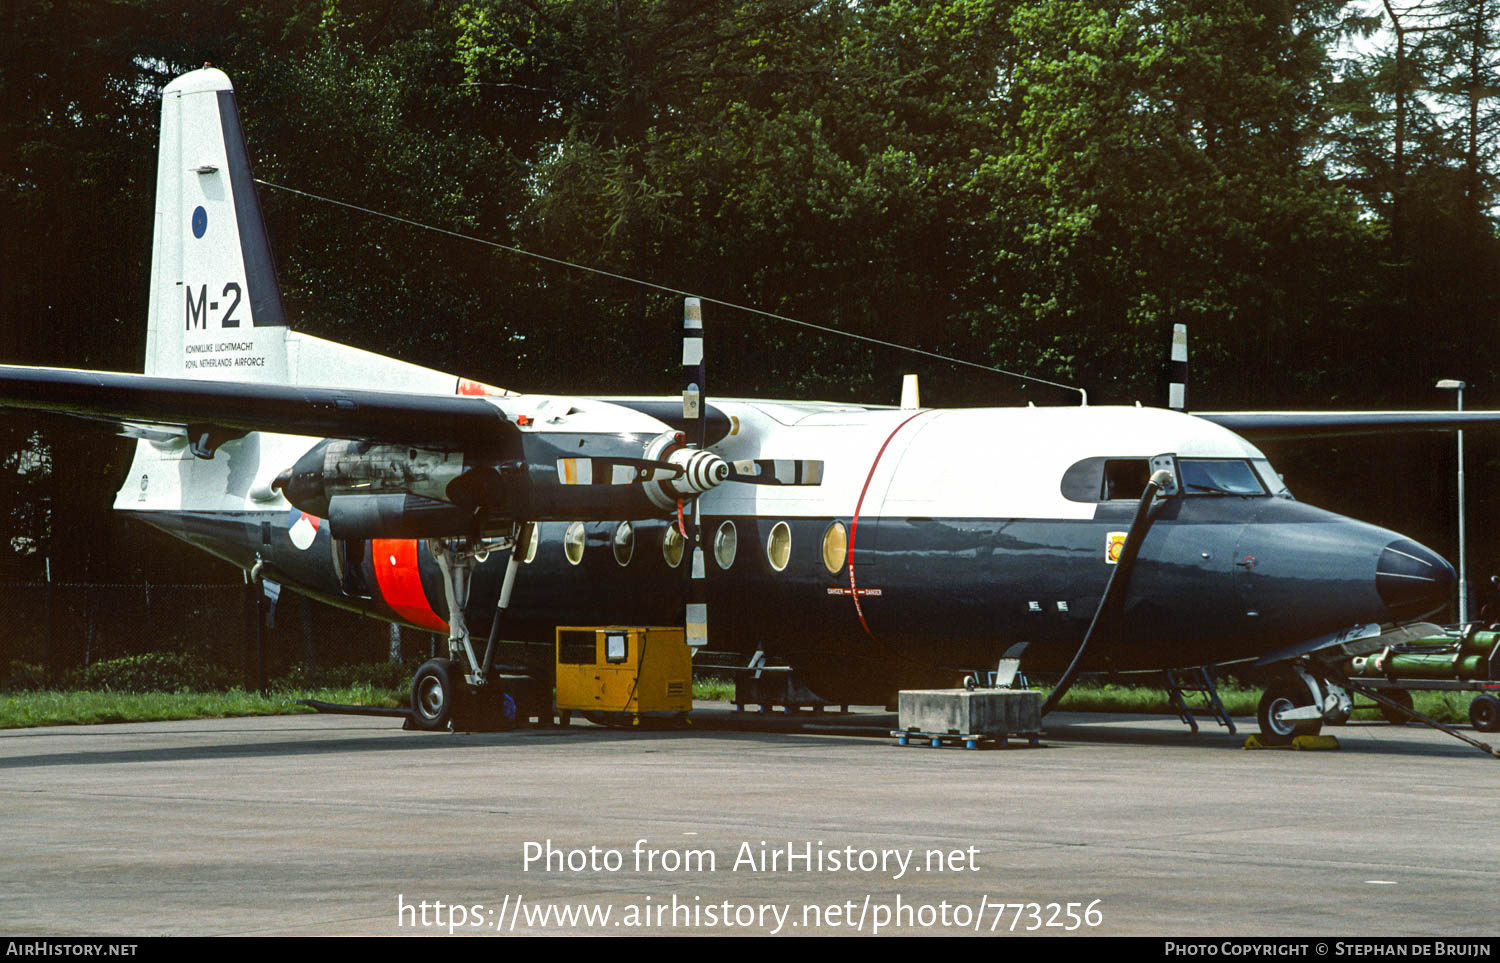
x=873 y=548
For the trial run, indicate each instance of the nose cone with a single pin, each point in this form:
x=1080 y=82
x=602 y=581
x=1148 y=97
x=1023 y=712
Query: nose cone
x=1412 y=580
x=1300 y=572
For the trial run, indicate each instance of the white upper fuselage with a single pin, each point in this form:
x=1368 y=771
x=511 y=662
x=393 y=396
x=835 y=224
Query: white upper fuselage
x=947 y=463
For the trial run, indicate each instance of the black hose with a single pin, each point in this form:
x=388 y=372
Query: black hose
x=1115 y=586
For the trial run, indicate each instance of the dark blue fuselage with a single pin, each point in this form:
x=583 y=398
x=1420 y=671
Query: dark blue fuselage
x=1218 y=579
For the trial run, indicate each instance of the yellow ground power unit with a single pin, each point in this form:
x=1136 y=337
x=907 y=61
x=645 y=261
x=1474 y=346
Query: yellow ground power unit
x=617 y=674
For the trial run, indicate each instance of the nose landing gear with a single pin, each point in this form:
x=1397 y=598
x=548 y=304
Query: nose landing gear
x=1298 y=705
x=1315 y=693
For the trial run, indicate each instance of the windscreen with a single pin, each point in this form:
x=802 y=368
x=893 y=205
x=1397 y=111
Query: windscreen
x=1228 y=476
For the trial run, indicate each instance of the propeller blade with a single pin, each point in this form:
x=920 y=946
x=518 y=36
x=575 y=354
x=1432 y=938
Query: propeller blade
x=1177 y=369
x=614 y=471
x=777 y=471
x=694 y=391
x=706 y=471
x=695 y=618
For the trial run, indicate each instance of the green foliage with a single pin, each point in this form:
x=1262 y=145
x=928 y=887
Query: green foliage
x=1154 y=175
x=1238 y=699
x=379 y=675
x=154 y=672
x=47 y=708
x=1241 y=700
x=24 y=677
x=52 y=708
x=714 y=689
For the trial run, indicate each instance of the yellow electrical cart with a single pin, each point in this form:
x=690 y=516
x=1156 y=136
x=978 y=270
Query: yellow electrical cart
x=617 y=674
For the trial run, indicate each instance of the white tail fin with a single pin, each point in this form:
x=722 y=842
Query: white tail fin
x=216 y=308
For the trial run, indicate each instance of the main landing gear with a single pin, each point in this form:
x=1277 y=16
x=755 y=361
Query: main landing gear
x=464 y=691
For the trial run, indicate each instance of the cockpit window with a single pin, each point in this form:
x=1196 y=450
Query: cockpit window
x=1272 y=479
x=1219 y=477
x=1125 y=478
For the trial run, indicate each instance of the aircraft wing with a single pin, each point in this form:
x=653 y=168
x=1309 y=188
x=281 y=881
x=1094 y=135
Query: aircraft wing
x=237 y=406
x=1277 y=425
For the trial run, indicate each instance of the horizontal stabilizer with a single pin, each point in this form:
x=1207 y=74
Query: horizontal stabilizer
x=137 y=400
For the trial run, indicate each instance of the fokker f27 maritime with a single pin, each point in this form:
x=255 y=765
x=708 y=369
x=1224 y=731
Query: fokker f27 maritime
x=873 y=548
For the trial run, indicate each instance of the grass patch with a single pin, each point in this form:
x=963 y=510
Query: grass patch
x=1242 y=700
x=54 y=708
x=1449 y=707
x=71 y=708
x=714 y=689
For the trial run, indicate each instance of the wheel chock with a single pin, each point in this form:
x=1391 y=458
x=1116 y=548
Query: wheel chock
x=1315 y=742
x=1298 y=742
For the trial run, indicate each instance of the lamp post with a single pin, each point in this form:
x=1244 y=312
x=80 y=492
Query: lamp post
x=1449 y=384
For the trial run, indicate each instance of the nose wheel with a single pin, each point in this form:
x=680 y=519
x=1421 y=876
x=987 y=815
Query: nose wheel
x=1284 y=699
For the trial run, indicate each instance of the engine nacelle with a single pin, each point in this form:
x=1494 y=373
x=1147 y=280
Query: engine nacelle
x=336 y=467
x=370 y=490
x=407 y=516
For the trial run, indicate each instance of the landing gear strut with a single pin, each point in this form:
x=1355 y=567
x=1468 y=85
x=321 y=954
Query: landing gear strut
x=445 y=690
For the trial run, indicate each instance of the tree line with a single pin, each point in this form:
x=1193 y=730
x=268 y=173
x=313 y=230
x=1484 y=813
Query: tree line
x=1039 y=185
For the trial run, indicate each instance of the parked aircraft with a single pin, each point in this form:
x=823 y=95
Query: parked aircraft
x=873 y=548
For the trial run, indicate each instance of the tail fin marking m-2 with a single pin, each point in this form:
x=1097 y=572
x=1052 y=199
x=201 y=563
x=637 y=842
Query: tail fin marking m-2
x=216 y=310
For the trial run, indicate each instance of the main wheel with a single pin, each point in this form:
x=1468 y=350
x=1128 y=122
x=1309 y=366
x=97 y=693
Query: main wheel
x=1484 y=713
x=434 y=694
x=1282 y=697
x=1397 y=717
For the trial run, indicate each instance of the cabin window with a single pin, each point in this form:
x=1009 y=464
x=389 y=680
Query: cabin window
x=1218 y=476
x=835 y=547
x=573 y=540
x=532 y=542
x=779 y=546
x=671 y=546
x=1125 y=478
x=726 y=540
x=624 y=543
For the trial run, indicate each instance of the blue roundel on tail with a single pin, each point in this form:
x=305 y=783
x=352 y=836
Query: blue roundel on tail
x=200 y=221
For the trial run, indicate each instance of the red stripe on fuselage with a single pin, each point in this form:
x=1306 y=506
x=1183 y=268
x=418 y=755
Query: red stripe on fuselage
x=467 y=387
x=400 y=582
x=854 y=522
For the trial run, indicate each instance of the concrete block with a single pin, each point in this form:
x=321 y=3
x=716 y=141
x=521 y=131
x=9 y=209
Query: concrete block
x=983 y=712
